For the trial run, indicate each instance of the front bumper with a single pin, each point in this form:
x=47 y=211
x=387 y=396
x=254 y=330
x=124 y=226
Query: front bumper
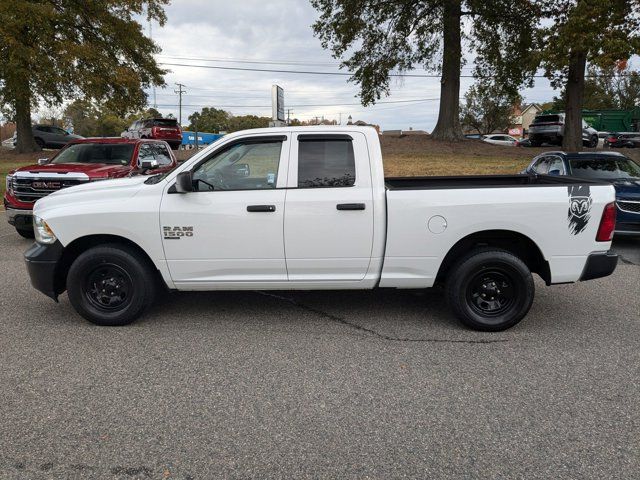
x=42 y=262
x=19 y=218
x=599 y=265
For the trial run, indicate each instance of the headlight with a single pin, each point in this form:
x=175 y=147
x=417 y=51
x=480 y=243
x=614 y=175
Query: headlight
x=42 y=231
x=9 y=180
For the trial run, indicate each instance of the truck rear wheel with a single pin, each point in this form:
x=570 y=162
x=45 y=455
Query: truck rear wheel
x=490 y=290
x=110 y=285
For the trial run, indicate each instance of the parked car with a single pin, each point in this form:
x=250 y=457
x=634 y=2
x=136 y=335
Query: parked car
x=80 y=162
x=622 y=140
x=525 y=142
x=49 y=136
x=308 y=208
x=611 y=167
x=166 y=129
x=499 y=139
x=549 y=128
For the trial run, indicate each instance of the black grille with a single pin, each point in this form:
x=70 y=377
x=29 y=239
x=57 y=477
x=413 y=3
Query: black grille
x=632 y=206
x=31 y=189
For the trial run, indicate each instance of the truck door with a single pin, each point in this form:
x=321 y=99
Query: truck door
x=230 y=228
x=328 y=224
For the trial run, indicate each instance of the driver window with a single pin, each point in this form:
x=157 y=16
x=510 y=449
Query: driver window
x=243 y=166
x=541 y=166
x=556 y=166
x=154 y=151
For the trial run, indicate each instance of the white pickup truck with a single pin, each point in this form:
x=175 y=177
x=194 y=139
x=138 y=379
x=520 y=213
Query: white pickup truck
x=309 y=208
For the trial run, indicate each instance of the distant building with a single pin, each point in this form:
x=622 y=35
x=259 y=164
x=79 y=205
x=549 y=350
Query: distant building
x=6 y=131
x=523 y=116
x=402 y=133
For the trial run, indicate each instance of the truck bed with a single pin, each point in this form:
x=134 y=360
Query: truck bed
x=482 y=181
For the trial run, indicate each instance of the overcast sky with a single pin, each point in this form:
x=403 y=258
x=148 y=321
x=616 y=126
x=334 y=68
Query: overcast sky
x=277 y=31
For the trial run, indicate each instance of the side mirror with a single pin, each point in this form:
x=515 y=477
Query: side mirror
x=554 y=172
x=184 y=182
x=43 y=161
x=148 y=164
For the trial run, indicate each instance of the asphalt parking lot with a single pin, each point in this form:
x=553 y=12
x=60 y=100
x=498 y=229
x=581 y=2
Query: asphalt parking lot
x=380 y=384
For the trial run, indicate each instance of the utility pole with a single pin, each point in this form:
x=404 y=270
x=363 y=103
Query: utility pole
x=155 y=103
x=289 y=116
x=180 y=91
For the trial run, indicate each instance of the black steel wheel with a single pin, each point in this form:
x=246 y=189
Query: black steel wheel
x=111 y=284
x=490 y=290
x=109 y=287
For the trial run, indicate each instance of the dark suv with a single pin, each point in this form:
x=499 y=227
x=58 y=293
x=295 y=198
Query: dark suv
x=166 y=129
x=50 y=136
x=549 y=128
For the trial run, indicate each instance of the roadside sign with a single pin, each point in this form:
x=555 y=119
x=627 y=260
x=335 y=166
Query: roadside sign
x=277 y=103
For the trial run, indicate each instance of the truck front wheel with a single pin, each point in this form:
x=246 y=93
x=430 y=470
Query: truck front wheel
x=110 y=285
x=490 y=290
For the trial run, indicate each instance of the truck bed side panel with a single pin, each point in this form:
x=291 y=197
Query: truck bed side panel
x=424 y=224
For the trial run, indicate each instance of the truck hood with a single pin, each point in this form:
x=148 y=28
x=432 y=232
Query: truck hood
x=102 y=191
x=92 y=170
x=627 y=188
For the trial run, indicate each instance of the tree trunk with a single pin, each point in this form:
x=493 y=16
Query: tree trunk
x=572 y=140
x=26 y=143
x=448 y=126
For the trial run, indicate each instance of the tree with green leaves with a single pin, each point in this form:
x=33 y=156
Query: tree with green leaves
x=215 y=120
x=375 y=38
x=91 y=120
x=581 y=32
x=487 y=108
x=54 y=50
x=604 y=89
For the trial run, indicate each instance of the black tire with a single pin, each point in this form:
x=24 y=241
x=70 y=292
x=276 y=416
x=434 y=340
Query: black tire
x=25 y=232
x=111 y=285
x=39 y=142
x=535 y=143
x=593 y=141
x=490 y=290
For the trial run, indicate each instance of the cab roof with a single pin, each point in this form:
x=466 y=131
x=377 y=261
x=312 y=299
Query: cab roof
x=111 y=140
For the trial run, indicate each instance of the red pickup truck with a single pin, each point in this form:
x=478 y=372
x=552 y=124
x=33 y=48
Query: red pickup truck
x=81 y=161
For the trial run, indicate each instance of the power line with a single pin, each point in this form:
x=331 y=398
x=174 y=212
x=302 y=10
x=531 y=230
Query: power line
x=342 y=74
x=259 y=62
x=305 y=72
x=263 y=62
x=303 y=105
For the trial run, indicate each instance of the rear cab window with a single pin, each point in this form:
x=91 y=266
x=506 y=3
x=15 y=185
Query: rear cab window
x=165 y=122
x=326 y=161
x=547 y=119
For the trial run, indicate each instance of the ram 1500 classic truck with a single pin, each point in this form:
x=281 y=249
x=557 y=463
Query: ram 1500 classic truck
x=309 y=208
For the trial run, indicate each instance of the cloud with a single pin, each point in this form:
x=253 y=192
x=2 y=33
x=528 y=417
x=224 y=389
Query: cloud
x=277 y=31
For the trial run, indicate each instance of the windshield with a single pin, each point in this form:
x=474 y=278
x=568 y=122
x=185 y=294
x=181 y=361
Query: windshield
x=605 y=168
x=109 y=153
